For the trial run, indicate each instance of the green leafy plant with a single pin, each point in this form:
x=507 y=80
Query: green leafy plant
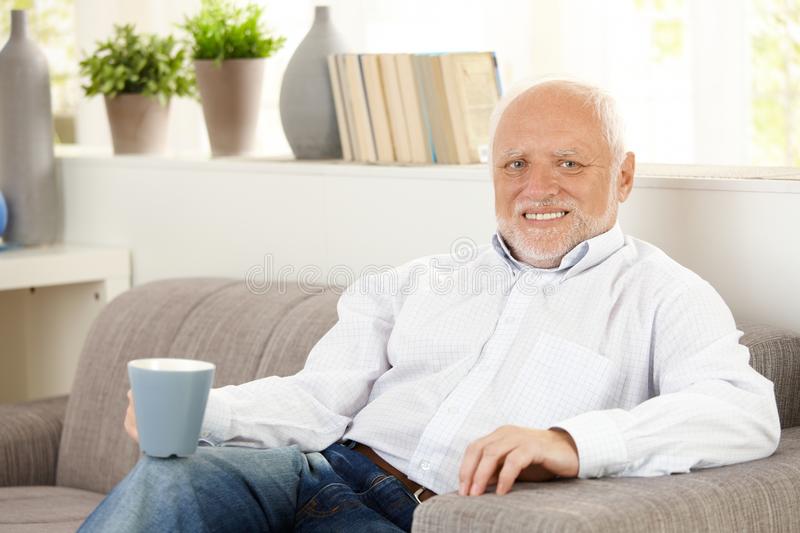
x=140 y=64
x=222 y=31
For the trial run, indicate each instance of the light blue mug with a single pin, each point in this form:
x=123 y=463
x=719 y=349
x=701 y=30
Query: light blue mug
x=169 y=397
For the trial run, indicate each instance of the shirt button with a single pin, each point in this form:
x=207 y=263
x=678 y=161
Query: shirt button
x=425 y=465
x=549 y=289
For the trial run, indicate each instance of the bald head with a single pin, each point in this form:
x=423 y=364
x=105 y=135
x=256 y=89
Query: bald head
x=601 y=104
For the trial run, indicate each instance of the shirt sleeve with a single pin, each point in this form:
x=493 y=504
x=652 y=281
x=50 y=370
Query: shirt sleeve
x=312 y=408
x=710 y=407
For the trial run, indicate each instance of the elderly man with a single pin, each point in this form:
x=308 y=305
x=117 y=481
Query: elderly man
x=565 y=348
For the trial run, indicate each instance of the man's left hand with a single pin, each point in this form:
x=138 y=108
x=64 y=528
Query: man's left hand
x=512 y=452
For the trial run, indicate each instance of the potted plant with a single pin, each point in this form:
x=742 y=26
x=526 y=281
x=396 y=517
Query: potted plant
x=229 y=45
x=137 y=74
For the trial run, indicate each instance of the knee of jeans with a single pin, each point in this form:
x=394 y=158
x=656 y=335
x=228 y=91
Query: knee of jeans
x=290 y=454
x=163 y=472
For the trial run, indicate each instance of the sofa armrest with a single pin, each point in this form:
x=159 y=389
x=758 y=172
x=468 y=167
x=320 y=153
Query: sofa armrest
x=775 y=354
x=30 y=433
x=755 y=496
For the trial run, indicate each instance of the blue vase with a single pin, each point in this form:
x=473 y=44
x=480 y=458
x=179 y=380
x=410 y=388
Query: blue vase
x=3 y=214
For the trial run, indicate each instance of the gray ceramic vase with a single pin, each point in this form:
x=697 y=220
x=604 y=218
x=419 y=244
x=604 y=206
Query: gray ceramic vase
x=307 y=111
x=27 y=170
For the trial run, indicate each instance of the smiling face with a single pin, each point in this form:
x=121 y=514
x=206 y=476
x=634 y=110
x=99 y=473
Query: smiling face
x=554 y=178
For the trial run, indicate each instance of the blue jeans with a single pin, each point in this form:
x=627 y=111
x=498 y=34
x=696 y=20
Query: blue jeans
x=243 y=489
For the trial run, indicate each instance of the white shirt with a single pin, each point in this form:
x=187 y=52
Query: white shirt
x=634 y=355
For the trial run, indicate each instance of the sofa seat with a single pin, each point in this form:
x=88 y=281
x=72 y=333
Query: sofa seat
x=43 y=509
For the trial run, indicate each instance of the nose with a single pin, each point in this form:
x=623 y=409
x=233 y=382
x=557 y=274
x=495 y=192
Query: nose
x=541 y=183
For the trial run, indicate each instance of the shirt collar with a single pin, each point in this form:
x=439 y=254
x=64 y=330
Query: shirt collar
x=582 y=257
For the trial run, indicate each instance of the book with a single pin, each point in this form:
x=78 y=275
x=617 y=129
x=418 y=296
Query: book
x=376 y=103
x=425 y=83
x=394 y=106
x=428 y=70
x=452 y=98
x=419 y=137
x=341 y=114
x=347 y=101
x=472 y=88
x=360 y=109
x=442 y=113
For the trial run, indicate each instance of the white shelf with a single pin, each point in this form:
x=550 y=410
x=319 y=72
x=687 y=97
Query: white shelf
x=61 y=265
x=43 y=331
x=648 y=175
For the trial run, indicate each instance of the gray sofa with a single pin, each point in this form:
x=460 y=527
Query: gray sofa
x=58 y=457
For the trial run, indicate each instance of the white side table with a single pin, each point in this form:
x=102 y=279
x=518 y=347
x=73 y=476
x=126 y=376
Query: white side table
x=49 y=297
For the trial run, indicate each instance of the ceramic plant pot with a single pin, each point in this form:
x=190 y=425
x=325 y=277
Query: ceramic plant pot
x=138 y=123
x=230 y=92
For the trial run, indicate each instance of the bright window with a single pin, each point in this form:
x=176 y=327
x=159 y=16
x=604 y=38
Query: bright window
x=699 y=81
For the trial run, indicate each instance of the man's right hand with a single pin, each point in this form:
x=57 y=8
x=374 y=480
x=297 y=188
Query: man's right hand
x=130 y=419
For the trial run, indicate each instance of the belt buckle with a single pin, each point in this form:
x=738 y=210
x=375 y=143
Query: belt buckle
x=418 y=493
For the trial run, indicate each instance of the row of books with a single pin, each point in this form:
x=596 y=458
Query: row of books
x=414 y=108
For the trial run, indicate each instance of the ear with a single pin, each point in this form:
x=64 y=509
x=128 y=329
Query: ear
x=625 y=178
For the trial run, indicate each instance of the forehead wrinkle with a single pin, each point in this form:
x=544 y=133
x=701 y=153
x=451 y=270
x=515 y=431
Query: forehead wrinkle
x=512 y=152
x=558 y=152
x=563 y=152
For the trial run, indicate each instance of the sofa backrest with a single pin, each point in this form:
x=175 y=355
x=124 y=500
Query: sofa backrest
x=246 y=335
x=249 y=336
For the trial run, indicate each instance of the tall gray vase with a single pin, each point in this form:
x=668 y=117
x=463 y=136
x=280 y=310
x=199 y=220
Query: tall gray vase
x=307 y=111
x=27 y=170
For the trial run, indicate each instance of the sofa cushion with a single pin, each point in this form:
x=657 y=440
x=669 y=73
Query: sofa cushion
x=42 y=509
x=246 y=334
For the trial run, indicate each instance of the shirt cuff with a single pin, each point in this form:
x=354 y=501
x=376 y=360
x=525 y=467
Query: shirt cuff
x=601 y=448
x=217 y=419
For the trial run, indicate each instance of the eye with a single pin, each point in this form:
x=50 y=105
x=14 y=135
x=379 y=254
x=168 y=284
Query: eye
x=517 y=164
x=571 y=165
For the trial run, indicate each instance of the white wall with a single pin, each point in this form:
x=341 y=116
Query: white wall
x=223 y=217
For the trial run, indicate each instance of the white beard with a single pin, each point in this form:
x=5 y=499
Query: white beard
x=544 y=248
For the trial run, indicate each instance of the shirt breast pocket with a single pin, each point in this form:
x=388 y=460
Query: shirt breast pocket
x=558 y=379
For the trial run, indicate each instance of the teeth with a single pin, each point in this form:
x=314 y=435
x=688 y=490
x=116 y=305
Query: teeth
x=544 y=216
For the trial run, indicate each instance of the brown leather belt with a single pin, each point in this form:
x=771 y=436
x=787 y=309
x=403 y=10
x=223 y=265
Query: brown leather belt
x=419 y=492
